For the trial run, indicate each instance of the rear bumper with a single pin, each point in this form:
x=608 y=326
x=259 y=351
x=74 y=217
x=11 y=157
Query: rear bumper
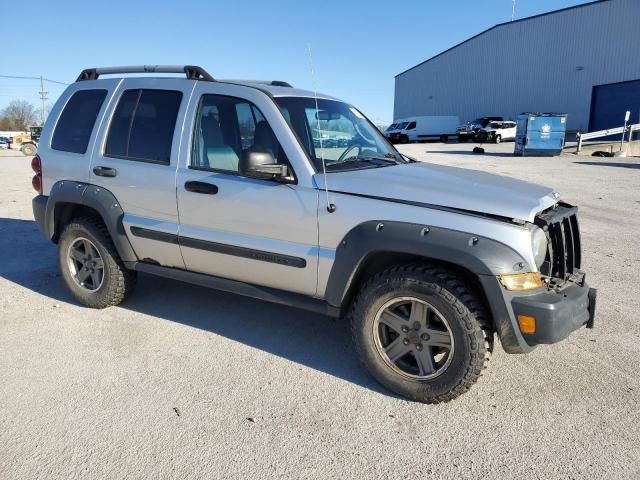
x=557 y=314
x=39 y=205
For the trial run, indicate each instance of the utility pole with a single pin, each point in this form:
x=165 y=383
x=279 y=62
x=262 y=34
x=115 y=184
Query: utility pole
x=43 y=98
x=513 y=10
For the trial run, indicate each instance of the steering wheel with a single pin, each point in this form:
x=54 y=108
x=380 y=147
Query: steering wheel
x=349 y=148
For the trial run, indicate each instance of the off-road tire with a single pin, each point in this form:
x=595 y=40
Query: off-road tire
x=118 y=281
x=465 y=313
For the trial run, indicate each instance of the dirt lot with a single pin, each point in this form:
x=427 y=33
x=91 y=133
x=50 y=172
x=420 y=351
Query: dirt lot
x=183 y=382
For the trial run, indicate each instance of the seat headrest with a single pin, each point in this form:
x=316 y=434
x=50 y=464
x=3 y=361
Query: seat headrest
x=264 y=137
x=211 y=132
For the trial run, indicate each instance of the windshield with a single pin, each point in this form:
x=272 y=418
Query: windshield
x=494 y=125
x=338 y=133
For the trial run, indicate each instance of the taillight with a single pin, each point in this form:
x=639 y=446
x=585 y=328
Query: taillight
x=36 y=181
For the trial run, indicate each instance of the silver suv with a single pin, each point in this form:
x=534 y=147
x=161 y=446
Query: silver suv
x=294 y=197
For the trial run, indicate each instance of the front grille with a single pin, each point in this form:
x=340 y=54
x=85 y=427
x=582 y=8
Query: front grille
x=564 y=251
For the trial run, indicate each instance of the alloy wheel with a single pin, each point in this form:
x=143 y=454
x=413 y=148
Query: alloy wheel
x=85 y=264
x=413 y=338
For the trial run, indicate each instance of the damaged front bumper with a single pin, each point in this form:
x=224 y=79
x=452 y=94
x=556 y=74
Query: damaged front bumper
x=557 y=313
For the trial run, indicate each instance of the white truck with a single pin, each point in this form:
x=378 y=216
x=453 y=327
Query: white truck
x=417 y=129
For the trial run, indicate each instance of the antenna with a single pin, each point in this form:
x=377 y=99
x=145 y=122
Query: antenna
x=513 y=10
x=330 y=206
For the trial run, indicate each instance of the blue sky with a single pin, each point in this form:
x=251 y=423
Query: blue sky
x=358 y=46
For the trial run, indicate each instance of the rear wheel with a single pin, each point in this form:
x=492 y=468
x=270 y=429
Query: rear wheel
x=421 y=332
x=91 y=266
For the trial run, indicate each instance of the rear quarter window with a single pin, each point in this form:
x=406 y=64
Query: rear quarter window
x=74 y=127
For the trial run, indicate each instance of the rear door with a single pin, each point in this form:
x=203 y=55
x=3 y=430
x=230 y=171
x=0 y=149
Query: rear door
x=257 y=231
x=136 y=157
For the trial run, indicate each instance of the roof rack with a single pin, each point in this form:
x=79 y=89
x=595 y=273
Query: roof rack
x=192 y=72
x=273 y=83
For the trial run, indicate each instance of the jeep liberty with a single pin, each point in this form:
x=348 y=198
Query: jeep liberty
x=294 y=197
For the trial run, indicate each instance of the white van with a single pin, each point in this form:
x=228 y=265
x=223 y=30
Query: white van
x=418 y=129
x=392 y=130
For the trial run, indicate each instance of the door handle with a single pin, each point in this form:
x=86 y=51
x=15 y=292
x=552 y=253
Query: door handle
x=105 y=171
x=201 y=187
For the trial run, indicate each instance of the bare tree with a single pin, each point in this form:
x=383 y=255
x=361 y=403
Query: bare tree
x=19 y=114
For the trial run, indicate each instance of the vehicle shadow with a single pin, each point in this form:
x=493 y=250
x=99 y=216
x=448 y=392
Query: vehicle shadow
x=310 y=339
x=611 y=164
x=470 y=152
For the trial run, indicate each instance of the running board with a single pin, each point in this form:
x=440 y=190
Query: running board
x=267 y=294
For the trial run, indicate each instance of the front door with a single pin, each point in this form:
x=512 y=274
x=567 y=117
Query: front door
x=256 y=231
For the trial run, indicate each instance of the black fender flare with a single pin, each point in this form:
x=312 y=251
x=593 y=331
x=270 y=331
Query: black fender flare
x=97 y=198
x=477 y=254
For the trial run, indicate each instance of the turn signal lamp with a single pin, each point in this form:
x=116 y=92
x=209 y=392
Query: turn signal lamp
x=527 y=324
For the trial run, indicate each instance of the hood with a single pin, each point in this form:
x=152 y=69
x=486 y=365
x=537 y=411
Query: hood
x=450 y=187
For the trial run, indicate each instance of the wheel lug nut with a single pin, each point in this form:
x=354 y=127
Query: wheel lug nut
x=418 y=347
x=405 y=329
x=424 y=337
x=405 y=342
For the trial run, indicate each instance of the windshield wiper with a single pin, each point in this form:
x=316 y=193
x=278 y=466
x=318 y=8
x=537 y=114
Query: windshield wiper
x=375 y=161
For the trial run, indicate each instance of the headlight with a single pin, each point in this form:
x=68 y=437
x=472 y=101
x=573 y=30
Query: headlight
x=521 y=281
x=539 y=244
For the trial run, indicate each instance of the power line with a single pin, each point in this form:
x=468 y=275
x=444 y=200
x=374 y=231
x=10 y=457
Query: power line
x=43 y=94
x=33 y=78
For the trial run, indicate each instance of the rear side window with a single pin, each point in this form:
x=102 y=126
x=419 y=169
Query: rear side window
x=73 y=131
x=143 y=125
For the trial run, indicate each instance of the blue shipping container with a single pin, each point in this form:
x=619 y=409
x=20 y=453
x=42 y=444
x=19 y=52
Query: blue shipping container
x=540 y=134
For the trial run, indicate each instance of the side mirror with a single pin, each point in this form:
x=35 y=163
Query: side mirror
x=260 y=163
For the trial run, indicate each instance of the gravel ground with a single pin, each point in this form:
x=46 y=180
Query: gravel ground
x=184 y=382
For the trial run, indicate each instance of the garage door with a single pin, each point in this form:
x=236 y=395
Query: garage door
x=610 y=102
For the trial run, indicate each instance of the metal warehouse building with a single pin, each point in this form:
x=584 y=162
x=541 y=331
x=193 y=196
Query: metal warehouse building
x=581 y=60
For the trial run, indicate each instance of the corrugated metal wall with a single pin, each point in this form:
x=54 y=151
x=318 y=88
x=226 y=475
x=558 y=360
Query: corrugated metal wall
x=548 y=63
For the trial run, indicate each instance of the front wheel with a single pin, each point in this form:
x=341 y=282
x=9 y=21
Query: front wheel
x=498 y=139
x=404 y=139
x=91 y=266
x=444 y=138
x=421 y=332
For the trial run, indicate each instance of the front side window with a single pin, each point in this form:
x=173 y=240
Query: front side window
x=76 y=122
x=143 y=125
x=411 y=126
x=226 y=128
x=337 y=133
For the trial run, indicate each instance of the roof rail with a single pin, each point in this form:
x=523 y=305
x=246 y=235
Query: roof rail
x=192 y=72
x=273 y=83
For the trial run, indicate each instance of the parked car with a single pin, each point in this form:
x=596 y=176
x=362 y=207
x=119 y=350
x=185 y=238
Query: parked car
x=419 y=129
x=496 y=132
x=429 y=263
x=469 y=130
x=5 y=142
